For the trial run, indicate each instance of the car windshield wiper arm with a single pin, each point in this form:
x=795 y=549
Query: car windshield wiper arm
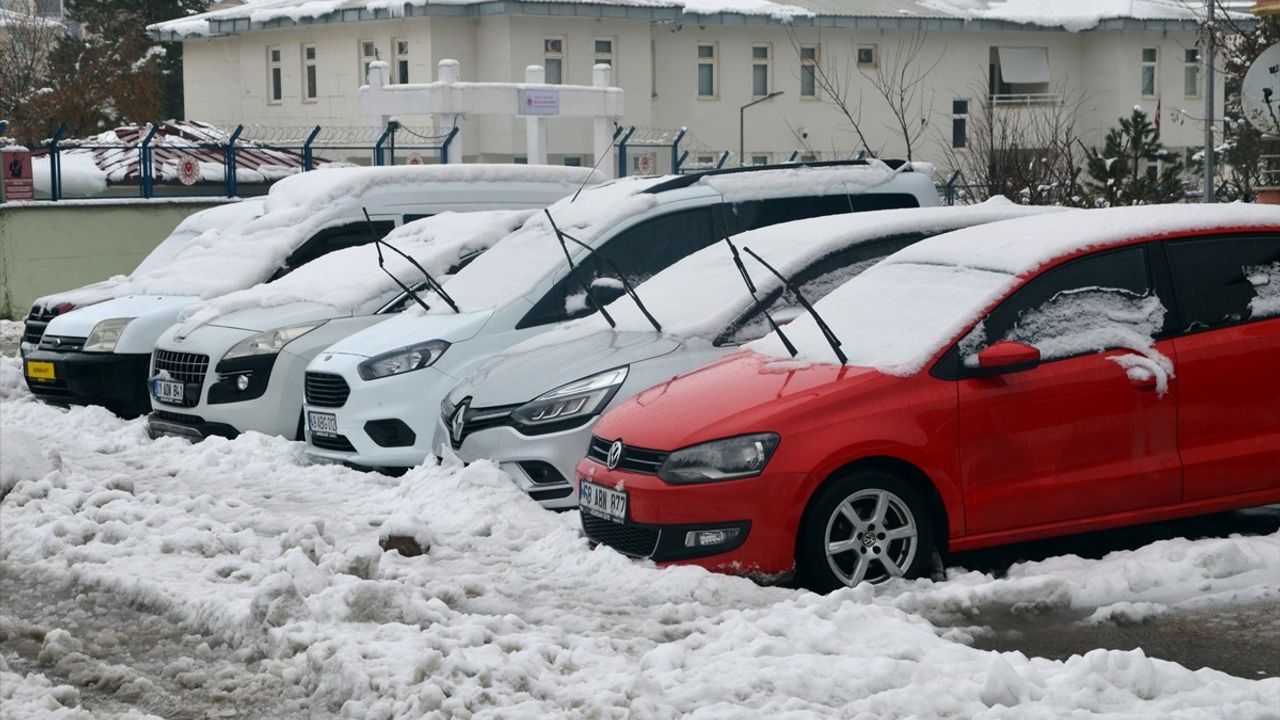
x=432 y=283
x=626 y=286
x=822 y=325
x=751 y=288
x=573 y=272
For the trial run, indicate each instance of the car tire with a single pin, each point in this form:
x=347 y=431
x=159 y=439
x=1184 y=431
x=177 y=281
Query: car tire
x=842 y=542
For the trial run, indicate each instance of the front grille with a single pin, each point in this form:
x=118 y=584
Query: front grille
x=182 y=367
x=626 y=539
x=33 y=330
x=333 y=442
x=634 y=459
x=61 y=343
x=177 y=417
x=326 y=390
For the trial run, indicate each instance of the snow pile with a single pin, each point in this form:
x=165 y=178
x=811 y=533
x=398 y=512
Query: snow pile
x=1265 y=280
x=512 y=614
x=898 y=315
x=350 y=280
x=801 y=181
x=22 y=457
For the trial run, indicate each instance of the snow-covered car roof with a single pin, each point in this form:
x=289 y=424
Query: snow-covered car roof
x=519 y=261
x=350 y=279
x=298 y=207
x=700 y=295
x=899 y=314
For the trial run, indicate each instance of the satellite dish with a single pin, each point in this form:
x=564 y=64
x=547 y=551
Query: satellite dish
x=1262 y=92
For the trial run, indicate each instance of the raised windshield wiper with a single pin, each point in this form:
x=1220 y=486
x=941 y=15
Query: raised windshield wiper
x=622 y=278
x=751 y=288
x=432 y=284
x=822 y=325
x=573 y=272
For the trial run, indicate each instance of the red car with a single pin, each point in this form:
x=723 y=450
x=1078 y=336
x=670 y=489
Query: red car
x=1014 y=381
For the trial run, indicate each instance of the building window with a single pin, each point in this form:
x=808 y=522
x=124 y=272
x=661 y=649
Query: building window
x=603 y=52
x=1019 y=75
x=759 y=70
x=309 y=89
x=809 y=72
x=1191 y=73
x=1150 y=61
x=402 y=60
x=706 y=160
x=959 y=123
x=868 y=56
x=707 y=71
x=553 y=60
x=759 y=159
x=368 y=53
x=275 y=79
x=573 y=160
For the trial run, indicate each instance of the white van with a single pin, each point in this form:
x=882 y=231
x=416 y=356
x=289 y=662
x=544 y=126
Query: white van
x=101 y=354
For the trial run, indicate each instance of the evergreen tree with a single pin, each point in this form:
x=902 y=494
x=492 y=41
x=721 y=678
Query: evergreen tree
x=1133 y=168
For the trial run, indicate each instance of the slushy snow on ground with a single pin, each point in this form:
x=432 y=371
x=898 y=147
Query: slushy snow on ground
x=512 y=614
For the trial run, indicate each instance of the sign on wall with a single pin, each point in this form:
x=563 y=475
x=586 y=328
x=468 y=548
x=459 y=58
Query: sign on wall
x=539 y=102
x=18 y=183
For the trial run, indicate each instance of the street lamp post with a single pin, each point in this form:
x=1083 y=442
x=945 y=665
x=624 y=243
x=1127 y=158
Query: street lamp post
x=742 y=111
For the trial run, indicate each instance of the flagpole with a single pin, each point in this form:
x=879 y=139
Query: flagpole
x=1208 y=107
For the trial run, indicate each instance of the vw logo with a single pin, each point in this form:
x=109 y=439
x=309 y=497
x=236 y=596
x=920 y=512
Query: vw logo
x=457 y=422
x=615 y=454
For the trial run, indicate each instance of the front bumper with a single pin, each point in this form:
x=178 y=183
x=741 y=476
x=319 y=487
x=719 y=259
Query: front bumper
x=661 y=516
x=116 y=381
x=541 y=465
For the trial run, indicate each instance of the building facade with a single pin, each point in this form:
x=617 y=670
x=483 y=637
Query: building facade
x=284 y=63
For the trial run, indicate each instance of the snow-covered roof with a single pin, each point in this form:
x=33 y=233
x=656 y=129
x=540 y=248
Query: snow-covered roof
x=899 y=314
x=350 y=280
x=1075 y=15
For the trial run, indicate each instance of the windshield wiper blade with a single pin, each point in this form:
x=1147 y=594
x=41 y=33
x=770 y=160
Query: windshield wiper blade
x=622 y=278
x=822 y=325
x=573 y=272
x=432 y=283
x=751 y=288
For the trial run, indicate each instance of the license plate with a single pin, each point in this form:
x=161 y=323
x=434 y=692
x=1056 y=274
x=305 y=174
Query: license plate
x=602 y=501
x=168 y=391
x=40 y=370
x=322 y=423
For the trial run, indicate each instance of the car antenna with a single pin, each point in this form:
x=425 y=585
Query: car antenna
x=822 y=325
x=626 y=285
x=432 y=283
x=573 y=272
x=595 y=167
x=751 y=288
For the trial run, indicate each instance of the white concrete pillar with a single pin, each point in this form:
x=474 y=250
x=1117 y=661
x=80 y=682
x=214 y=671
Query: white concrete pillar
x=449 y=71
x=535 y=126
x=602 y=127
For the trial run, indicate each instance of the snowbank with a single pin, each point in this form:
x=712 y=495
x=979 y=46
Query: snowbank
x=512 y=614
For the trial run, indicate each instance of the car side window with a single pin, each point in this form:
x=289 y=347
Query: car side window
x=1099 y=302
x=752 y=214
x=815 y=282
x=1223 y=281
x=639 y=252
x=336 y=238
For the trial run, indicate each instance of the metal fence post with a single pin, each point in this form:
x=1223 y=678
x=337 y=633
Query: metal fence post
x=792 y=157
x=724 y=157
x=444 y=146
x=622 y=152
x=676 y=158
x=230 y=161
x=55 y=163
x=951 y=188
x=378 y=156
x=146 y=184
x=308 y=161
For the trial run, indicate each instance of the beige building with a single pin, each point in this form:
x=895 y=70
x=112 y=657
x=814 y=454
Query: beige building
x=696 y=63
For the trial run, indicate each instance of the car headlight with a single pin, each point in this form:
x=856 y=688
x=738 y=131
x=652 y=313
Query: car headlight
x=578 y=399
x=728 y=459
x=104 y=336
x=270 y=342
x=403 y=360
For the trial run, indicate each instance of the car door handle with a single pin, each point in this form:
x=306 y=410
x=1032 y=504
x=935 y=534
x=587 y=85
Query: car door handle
x=1148 y=382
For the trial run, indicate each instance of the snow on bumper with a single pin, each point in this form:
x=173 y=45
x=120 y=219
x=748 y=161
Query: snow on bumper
x=540 y=465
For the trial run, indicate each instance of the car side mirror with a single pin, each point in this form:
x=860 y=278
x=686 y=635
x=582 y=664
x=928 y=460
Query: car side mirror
x=1007 y=356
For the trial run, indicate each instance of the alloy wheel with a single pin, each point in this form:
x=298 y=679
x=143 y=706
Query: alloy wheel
x=871 y=535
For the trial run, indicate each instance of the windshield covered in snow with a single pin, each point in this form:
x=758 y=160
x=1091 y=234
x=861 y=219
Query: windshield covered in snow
x=196 y=225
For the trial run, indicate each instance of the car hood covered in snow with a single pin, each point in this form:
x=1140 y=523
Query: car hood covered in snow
x=263 y=319
x=519 y=376
x=406 y=329
x=78 y=323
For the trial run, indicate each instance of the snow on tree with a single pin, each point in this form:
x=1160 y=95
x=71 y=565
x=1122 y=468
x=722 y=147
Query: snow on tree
x=1133 y=167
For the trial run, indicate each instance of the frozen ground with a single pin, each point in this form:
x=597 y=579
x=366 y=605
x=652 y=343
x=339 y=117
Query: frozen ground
x=231 y=579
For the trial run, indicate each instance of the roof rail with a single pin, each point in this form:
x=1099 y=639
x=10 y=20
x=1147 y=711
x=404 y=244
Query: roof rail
x=686 y=180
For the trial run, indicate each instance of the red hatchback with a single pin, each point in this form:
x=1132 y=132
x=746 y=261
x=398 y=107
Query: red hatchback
x=1030 y=378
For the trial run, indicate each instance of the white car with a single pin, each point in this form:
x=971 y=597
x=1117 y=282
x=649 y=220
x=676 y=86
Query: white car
x=101 y=354
x=235 y=363
x=531 y=409
x=372 y=399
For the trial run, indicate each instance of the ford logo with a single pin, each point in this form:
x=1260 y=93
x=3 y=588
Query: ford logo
x=615 y=455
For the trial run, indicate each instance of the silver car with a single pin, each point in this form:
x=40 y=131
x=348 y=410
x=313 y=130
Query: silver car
x=531 y=409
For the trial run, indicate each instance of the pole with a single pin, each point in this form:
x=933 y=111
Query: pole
x=1208 y=106
x=742 y=124
x=230 y=162
x=146 y=183
x=55 y=163
x=308 y=158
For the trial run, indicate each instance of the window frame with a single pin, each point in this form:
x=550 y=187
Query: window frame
x=1154 y=67
x=310 y=89
x=874 y=62
x=363 y=60
x=609 y=58
x=712 y=62
x=275 y=75
x=1191 y=65
x=558 y=56
x=401 y=68
x=759 y=63
x=810 y=64
x=1181 y=315
x=960 y=123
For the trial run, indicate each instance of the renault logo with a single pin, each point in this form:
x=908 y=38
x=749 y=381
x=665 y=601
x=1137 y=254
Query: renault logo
x=457 y=422
x=615 y=454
